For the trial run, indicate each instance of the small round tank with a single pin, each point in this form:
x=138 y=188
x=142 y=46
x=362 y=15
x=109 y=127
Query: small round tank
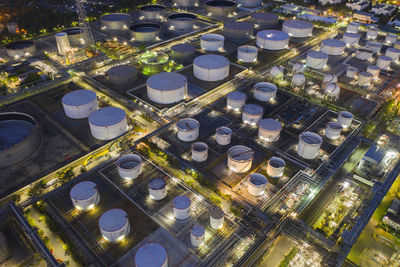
x=316 y=60
x=240 y=158
x=351 y=39
x=393 y=53
x=115 y=21
x=197 y=235
x=257 y=184
x=181 y=207
x=249 y=3
x=236 y=100
x=223 y=135
x=309 y=145
x=188 y=129
x=252 y=113
x=333 y=47
x=220 y=8
x=199 y=151
x=345 y=118
x=212 y=42
x=275 y=167
x=114 y=225
x=157 y=188
x=62 y=43
x=351 y=72
x=108 y=123
x=374 y=46
x=166 y=87
x=390 y=38
x=374 y=70
x=269 y=130
x=372 y=33
x=151 y=255
x=247 y=53
x=353 y=27
x=183 y=53
x=333 y=130
x=329 y=78
x=79 y=104
x=129 y=166
x=152 y=12
x=216 y=218
x=145 y=32
x=277 y=72
x=181 y=21
x=272 y=40
x=365 y=79
x=263 y=20
x=238 y=30
x=122 y=75
x=383 y=62
x=298 y=80
x=84 y=195
x=265 y=91
x=297 y=28
x=332 y=90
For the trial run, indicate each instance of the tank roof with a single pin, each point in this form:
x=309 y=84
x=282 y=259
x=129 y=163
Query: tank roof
x=79 y=97
x=73 y=31
x=365 y=74
x=187 y=124
x=14 y=131
x=276 y=162
x=83 y=190
x=351 y=34
x=392 y=49
x=211 y=61
x=248 y=48
x=183 y=48
x=265 y=16
x=265 y=87
x=113 y=220
x=374 y=67
x=157 y=183
x=167 y=81
x=298 y=24
x=270 y=125
x=212 y=37
x=107 y=116
x=239 y=25
x=116 y=17
x=273 y=35
x=253 y=109
x=197 y=230
x=311 y=138
x=199 y=146
x=258 y=179
x=240 y=153
x=346 y=114
x=224 y=130
x=19 y=45
x=384 y=58
x=59 y=34
x=150 y=255
x=129 y=161
x=182 y=16
x=333 y=43
x=221 y=3
x=152 y=7
x=317 y=54
x=334 y=125
x=122 y=70
x=181 y=202
x=216 y=212
x=236 y=95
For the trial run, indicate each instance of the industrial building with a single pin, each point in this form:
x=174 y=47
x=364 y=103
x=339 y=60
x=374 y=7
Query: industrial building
x=166 y=87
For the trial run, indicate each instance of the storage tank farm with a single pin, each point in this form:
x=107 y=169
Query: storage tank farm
x=199 y=151
x=145 y=32
x=393 y=53
x=115 y=21
x=272 y=40
x=345 y=119
x=257 y=184
x=252 y=113
x=183 y=53
x=247 y=53
x=157 y=188
x=216 y=217
x=238 y=30
x=197 y=235
x=108 y=123
x=151 y=255
x=211 y=68
x=129 y=166
x=383 y=62
x=309 y=145
x=167 y=87
x=365 y=79
x=181 y=207
x=79 y=104
x=114 y=225
x=19 y=49
x=240 y=158
x=212 y=42
x=265 y=91
x=62 y=41
x=223 y=135
x=390 y=39
x=351 y=39
x=188 y=129
x=269 y=130
x=298 y=28
x=181 y=21
x=372 y=33
x=333 y=130
x=333 y=47
x=276 y=167
x=353 y=27
x=316 y=60
x=220 y=8
x=263 y=20
x=84 y=195
x=236 y=100
x=374 y=70
x=152 y=12
x=351 y=72
x=122 y=75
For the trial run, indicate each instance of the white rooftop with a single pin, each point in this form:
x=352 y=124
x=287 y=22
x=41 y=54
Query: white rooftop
x=113 y=220
x=167 y=81
x=83 y=190
x=273 y=35
x=240 y=153
x=211 y=61
x=299 y=24
x=181 y=202
x=150 y=255
x=270 y=125
x=253 y=109
x=107 y=116
x=78 y=97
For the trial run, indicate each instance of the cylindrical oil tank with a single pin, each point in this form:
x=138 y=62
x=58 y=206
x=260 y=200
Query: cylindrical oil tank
x=181 y=207
x=129 y=166
x=252 y=113
x=316 y=60
x=153 y=62
x=374 y=70
x=183 y=53
x=238 y=30
x=157 y=188
x=19 y=49
x=351 y=39
x=333 y=47
x=223 y=135
x=298 y=68
x=263 y=20
x=12 y=27
x=145 y=32
x=181 y=21
x=257 y=184
x=390 y=38
x=5 y=251
x=84 y=195
x=108 y=123
x=79 y=104
x=211 y=68
x=235 y=100
x=62 y=43
x=297 y=28
x=152 y=12
x=298 y=80
x=166 y=87
x=277 y=72
x=365 y=78
x=269 y=130
x=240 y=158
x=309 y=145
x=333 y=130
x=372 y=33
x=188 y=129
x=272 y=40
x=185 y=3
x=351 y=72
x=364 y=54
x=212 y=42
x=116 y=21
x=393 y=53
x=332 y=90
x=151 y=255
x=247 y=53
x=114 y=225
x=383 y=62
x=345 y=118
x=265 y=91
x=248 y=3
x=199 y=151
x=216 y=217
x=75 y=36
x=329 y=78
x=275 y=167
x=197 y=235
x=122 y=75
x=374 y=46
x=220 y=8
x=353 y=27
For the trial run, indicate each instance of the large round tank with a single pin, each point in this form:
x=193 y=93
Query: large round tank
x=329 y=78
x=19 y=49
x=152 y=12
x=372 y=33
x=238 y=30
x=220 y=8
x=223 y=135
x=181 y=21
x=351 y=72
x=252 y=113
x=240 y=158
x=211 y=68
x=248 y=3
x=316 y=60
x=84 y=195
x=277 y=72
x=12 y=27
x=235 y=100
x=129 y=166
x=188 y=129
x=197 y=235
x=114 y=225
x=275 y=167
x=353 y=27
x=5 y=251
x=365 y=79
x=269 y=130
x=309 y=145
x=345 y=118
x=247 y=53
x=257 y=184
x=383 y=62
x=116 y=21
x=108 y=123
x=166 y=87
x=19 y=137
x=374 y=70
x=153 y=62
x=265 y=91
x=351 y=39
x=272 y=40
x=185 y=3
x=62 y=43
x=374 y=46
x=75 y=36
x=145 y=32
x=332 y=90
x=393 y=53
x=263 y=20
x=216 y=218
x=333 y=130
x=212 y=42
x=298 y=80
x=183 y=53
x=390 y=38
x=151 y=255
x=364 y=54
x=199 y=151
x=122 y=75
x=79 y=104
x=157 y=188
x=333 y=47
x=181 y=207
x=297 y=28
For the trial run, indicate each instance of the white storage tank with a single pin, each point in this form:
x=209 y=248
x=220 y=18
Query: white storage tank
x=157 y=188
x=353 y=27
x=329 y=78
x=79 y=104
x=223 y=135
x=114 y=225
x=351 y=39
x=197 y=235
x=265 y=91
x=129 y=166
x=262 y=20
x=212 y=42
x=181 y=207
x=199 y=151
x=309 y=145
x=182 y=21
x=372 y=33
x=277 y=72
x=383 y=62
x=19 y=49
x=152 y=12
x=116 y=21
x=185 y=3
x=269 y=130
x=257 y=184
x=297 y=28
x=248 y=3
x=62 y=43
x=316 y=60
x=238 y=30
x=298 y=80
x=364 y=54
x=108 y=123
x=374 y=70
x=151 y=255
x=374 y=46
x=183 y=53
x=351 y=72
x=390 y=38
x=216 y=218
x=84 y=195
x=166 y=87
x=275 y=167
x=333 y=130
x=272 y=40
x=220 y=8
x=122 y=75
x=211 y=68
x=393 y=53
x=145 y=32
x=345 y=118
x=332 y=90
x=333 y=47
x=247 y=53
x=365 y=78
x=240 y=158
x=236 y=100
x=188 y=129
x=252 y=113
x=298 y=68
